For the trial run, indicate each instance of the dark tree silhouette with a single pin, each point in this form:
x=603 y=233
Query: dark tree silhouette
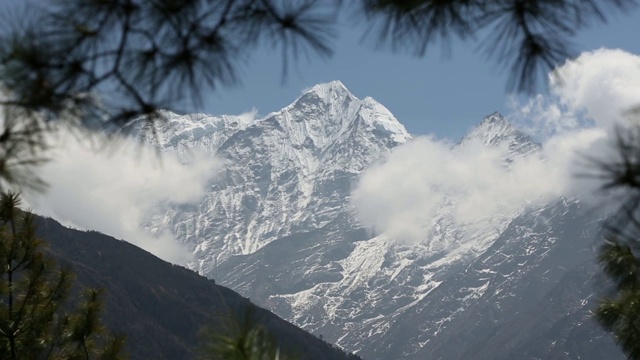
x=242 y=338
x=104 y=64
x=530 y=37
x=619 y=311
x=34 y=323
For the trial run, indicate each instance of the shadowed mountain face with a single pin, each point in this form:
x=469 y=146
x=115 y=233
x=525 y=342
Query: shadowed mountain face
x=278 y=227
x=288 y=173
x=162 y=307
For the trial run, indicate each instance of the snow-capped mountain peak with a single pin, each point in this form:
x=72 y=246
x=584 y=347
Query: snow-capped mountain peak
x=329 y=113
x=330 y=90
x=496 y=130
x=492 y=130
x=278 y=227
x=287 y=173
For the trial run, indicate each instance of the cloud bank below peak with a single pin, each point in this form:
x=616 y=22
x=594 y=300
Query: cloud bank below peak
x=591 y=95
x=113 y=190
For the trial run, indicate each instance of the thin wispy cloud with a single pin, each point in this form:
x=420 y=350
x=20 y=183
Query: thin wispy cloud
x=249 y=116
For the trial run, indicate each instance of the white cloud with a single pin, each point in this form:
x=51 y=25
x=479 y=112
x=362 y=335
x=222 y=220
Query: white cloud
x=249 y=116
x=427 y=177
x=602 y=83
x=113 y=189
x=544 y=117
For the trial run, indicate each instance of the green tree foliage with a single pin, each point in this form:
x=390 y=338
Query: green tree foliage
x=105 y=63
x=240 y=339
x=243 y=335
x=34 y=319
x=621 y=314
x=97 y=63
x=619 y=256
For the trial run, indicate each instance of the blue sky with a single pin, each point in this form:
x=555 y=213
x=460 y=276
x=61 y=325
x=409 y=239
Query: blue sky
x=439 y=95
x=445 y=97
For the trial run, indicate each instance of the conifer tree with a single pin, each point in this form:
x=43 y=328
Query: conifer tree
x=34 y=319
x=621 y=314
x=63 y=62
x=241 y=338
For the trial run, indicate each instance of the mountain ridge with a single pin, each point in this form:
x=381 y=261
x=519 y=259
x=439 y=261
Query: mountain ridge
x=161 y=308
x=292 y=158
x=285 y=195
x=495 y=129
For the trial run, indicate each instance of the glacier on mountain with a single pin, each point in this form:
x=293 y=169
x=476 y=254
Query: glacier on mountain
x=286 y=173
x=278 y=225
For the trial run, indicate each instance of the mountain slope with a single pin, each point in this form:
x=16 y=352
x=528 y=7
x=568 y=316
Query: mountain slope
x=287 y=173
x=542 y=263
x=158 y=306
x=278 y=228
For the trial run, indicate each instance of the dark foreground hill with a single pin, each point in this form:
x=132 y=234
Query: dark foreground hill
x=161 y=307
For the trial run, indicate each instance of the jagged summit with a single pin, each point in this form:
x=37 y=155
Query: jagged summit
x=329 y=113
x=492 y=129
x=494 y=117
x=333 y=92
x=496 y=130
x=325 y=89
x=323 y=116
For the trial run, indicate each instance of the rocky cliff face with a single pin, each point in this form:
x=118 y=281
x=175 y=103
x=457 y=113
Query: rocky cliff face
x=288 y=173
x=277 y=227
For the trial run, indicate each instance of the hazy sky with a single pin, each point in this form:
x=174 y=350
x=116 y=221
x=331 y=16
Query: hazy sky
x=437 y=95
